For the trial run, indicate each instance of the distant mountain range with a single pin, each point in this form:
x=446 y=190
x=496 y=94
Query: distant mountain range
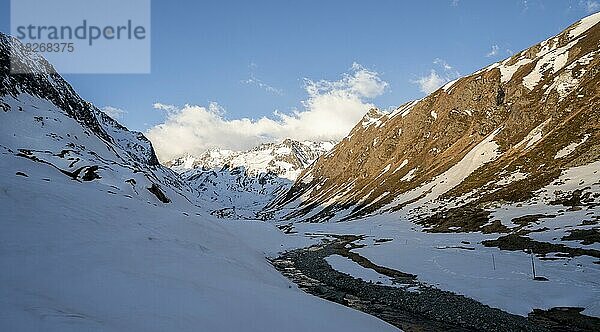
x=243 y=182
x=286 y=159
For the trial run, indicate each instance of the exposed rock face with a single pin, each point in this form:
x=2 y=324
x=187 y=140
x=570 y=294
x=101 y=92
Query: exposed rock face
x=496 y=135
x=48 y=85
x=155 y=189
x=44 y=121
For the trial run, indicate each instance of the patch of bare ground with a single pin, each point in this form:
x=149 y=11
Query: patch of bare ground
x=515 y=242
x=565 y=319
x=586 y=236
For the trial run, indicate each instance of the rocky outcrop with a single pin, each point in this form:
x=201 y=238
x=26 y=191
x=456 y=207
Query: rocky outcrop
x=44 y=121
x=45 y=83
x=496 y=135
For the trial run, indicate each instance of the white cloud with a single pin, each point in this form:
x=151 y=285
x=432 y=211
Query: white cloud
x=253 y=80
x=455 y=3
x=170 y=109
x=431 y=82
x=442 y=63
x=434 y=80
x=493 y=52
x=590 y=6
x=259 y=83
x=113 y=112
x=330 y=111
x=360 y=82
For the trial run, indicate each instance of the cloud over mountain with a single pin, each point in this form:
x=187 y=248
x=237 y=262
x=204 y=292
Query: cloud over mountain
x=331 y=109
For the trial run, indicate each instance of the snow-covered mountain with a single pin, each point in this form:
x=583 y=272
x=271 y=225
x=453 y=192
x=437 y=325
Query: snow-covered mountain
x=525 y=130
x=489 y=187
x=286 y=159
x=241 y=183
x=97 y=236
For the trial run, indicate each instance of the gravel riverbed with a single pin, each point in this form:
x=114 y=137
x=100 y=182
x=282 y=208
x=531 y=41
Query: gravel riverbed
x=409 y=304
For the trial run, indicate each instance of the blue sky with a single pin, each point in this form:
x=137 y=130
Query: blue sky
x=251 y=57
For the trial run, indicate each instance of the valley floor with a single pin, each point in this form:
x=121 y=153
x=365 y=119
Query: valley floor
x=455 y=262
x=93 y=257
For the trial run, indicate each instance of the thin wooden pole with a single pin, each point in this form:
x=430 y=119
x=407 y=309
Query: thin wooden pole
x=532 y=263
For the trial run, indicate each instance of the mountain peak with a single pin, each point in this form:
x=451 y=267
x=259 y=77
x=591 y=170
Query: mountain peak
x=48 y=85
x=243 y=182
x=511 y=117
x=372 y=117
x=583 y=25
x=285 y=159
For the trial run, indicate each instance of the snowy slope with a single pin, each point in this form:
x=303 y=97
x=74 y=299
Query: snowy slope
x=237 y=194
x=286 y=159
x=96 y=236
x=242 y=183
x=78 y=257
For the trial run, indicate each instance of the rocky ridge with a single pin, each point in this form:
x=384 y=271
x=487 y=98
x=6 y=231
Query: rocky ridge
x=499 y=135
x=241 y=183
